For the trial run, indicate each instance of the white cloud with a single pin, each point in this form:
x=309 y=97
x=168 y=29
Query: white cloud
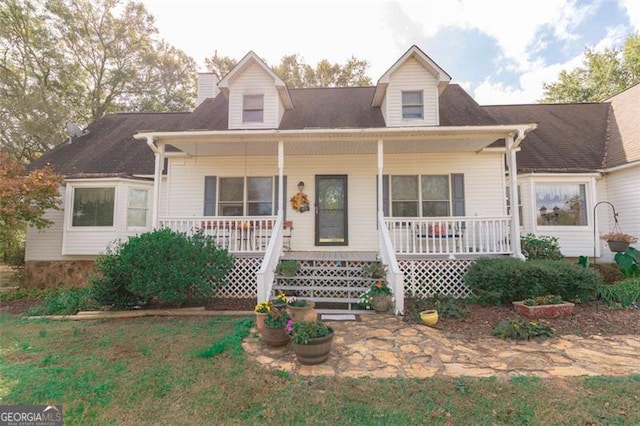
x=633 y=12
x=490 y=92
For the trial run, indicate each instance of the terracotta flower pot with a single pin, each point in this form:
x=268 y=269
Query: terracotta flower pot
x=275 y=336
x=315 y=352
x=301 y=313
x=260 y=316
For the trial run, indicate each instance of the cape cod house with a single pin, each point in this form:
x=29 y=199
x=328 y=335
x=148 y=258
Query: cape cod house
x=412 y=172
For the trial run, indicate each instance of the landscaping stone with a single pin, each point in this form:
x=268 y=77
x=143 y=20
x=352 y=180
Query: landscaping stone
x=544 y=311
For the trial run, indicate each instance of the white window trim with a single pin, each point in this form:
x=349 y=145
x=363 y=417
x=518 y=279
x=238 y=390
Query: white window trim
x=590 y=194
x=402 y=105
x=70 y=193
x=420 y=200
x=244 y=109
x=147 y=208
x=245 y=194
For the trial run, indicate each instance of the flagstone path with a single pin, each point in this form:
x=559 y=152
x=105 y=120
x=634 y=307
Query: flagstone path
x=382 y=346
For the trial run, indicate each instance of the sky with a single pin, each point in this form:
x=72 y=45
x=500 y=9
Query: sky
x=500 y=51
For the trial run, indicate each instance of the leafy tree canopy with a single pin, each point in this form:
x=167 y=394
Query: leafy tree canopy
x=296 y=73
x=603 y=75
x=76 y=60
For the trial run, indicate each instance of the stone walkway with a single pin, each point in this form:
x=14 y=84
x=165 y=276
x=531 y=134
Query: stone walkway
x=384 y=346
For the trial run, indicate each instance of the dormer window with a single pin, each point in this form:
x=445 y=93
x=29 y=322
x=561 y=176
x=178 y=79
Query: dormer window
x=253 y=109
x=412 y=106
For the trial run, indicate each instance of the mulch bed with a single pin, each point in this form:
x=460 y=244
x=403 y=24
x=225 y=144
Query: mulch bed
x=588 y=319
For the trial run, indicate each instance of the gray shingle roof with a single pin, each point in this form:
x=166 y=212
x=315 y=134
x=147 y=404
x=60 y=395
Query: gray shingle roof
x=569 y=137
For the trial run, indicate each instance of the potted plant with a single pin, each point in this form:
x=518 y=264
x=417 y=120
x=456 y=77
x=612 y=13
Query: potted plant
x=274 y=331
x=311 y=341
x=299 y=309
x=261 y=310
x=288 y=267
x=618 y=241
x=378 y=297
x=549 y=306
x=374 y=270
x=280 y=301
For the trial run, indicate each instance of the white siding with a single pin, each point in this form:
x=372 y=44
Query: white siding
x=411 y=76
x=484 y=186
x=574 y=241
x=254 y=81
x=623 y=190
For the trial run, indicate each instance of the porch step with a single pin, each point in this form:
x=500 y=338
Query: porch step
x=333 y=278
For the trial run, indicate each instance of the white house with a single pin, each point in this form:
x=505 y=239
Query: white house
x=412 y=172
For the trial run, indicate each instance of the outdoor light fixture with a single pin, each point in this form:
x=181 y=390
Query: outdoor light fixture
x=300 y=186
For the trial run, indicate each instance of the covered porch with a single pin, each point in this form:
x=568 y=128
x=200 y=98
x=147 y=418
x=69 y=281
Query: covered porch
x=364 y=158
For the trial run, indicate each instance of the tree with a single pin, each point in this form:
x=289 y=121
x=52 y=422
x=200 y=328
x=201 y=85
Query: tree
x=76 y=60
x=24 y=198
x=603 y=75
x=296 y=73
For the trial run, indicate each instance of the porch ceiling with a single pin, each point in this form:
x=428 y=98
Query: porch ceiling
x=336 y=146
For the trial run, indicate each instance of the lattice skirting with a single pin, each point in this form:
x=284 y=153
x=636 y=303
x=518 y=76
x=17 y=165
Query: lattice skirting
x=424 y=278
x=241 y=281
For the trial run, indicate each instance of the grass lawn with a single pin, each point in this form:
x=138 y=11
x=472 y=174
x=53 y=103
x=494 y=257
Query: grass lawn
x=193 y=371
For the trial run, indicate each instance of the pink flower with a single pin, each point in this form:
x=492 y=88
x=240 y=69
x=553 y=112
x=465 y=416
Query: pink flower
x=289 y=326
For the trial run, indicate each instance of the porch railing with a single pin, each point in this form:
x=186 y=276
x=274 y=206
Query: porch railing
x=388 y=257
x=266 y=274
x=240 y=234
x=450 y=236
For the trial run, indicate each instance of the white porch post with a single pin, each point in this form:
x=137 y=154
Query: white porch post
x=280 y=177
x=513 y=197
x=157 y=178
x=380 y=167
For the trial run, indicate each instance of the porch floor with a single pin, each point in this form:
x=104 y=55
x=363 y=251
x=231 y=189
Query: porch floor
x=357 y=256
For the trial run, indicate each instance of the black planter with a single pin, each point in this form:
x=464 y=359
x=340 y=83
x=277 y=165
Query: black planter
x=618 y=246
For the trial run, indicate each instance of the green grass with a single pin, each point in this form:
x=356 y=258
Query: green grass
x=193 y=371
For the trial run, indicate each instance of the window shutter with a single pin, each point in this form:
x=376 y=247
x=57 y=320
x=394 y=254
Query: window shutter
x=284 y=197
x=385 y=195
x=457 y=194
x=210 y=183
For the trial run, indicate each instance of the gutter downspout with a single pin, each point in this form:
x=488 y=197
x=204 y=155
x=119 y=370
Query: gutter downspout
x=511 y=144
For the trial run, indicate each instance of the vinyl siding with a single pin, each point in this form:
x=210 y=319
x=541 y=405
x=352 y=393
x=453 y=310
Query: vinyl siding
x=411 y=76
x=484 y=186
x=46 y=244
x=623 y=192
x=254 y=81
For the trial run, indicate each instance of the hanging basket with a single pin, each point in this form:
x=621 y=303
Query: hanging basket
x=618 y=246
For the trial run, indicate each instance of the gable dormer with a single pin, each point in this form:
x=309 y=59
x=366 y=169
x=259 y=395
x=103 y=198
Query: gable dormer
x=257 y=97
x=408 y=92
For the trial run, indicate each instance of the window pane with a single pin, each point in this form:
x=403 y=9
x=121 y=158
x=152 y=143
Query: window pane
x=435 y=187
x=138 y=198
x=137 y=217
x=253 y=116
x=259 y=189
x=93 y=206
x=231 y=209
x=253 y=108
x=405 y=209
x=231 y=189
x=411 y=98
x=561 y=204
x=253 y=102
x=412 y=112
x=404 y=188
x=260 y=209
x=435 y=208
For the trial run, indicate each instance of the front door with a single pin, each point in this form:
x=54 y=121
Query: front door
x=331 y=210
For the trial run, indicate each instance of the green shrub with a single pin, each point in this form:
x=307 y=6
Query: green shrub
x=521 y=330
x=540 y=247
x=504 y=280
x=66 y=302
x=447 y=307
x=626 y=293
x=164 y=266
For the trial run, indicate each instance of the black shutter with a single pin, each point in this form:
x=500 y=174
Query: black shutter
x=284 y=197
x=457 y=193
x=210 y=183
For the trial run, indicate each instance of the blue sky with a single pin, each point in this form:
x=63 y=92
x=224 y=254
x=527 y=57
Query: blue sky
x=500 y=51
